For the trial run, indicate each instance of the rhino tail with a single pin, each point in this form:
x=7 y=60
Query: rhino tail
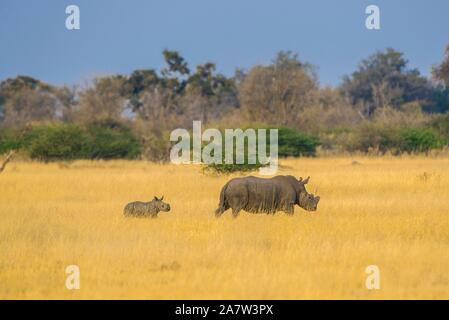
x=222 y=206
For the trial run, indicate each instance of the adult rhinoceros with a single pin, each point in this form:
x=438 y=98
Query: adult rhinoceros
x=259 y=195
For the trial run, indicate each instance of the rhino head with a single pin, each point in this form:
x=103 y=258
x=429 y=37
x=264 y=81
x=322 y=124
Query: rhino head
x=160 y=204
x=306 y=200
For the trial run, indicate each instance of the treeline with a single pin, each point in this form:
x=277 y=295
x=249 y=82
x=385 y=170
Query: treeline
x=383 y=106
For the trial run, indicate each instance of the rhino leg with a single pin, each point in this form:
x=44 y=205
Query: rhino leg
x=235 y=212
x=290 y=209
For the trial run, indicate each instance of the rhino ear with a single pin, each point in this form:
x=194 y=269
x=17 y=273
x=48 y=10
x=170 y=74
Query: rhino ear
x=306 y=181
x=155 y=198
x=162 y=198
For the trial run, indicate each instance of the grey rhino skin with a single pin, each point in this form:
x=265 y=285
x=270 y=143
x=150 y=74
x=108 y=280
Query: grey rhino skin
x=146 y=209
x=258 y=195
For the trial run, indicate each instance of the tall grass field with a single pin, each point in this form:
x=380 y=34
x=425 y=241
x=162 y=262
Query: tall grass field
x=391 y=212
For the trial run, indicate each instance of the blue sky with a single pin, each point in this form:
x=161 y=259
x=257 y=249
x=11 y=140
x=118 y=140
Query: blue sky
x=119 y=36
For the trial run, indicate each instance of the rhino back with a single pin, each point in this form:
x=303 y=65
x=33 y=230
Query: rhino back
x=139 y=208
x=261 y=195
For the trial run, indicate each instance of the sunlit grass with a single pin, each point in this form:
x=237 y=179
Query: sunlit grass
x=391 y=212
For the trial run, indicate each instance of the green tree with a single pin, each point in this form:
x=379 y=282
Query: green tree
x=441 y=71
x=384 y=80
x=175 y=63
x=136 y=83
x=142 y=83
x=173 y=75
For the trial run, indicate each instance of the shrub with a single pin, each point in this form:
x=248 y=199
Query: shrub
x=384 y=138
x=156 y=144
x=57 y=142
x=441 y=125
x=9 y=140
x=224 y=168
x=111 y=140
x=337 y=140
x=231 y=168
x=373 y=136
x=49 y=142
x=420 y=140
x=291 y=143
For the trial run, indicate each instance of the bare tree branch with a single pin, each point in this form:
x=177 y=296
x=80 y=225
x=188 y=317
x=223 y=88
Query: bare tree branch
x=7 y=159
x=361 y=115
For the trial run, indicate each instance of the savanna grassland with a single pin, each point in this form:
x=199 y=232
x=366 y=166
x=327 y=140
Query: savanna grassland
x=390 y=212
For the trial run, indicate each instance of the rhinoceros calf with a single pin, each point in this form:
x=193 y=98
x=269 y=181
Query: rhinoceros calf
x=257 y=195
x=146 y=209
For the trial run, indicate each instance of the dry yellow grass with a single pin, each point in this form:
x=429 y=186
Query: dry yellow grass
x=391 y=212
